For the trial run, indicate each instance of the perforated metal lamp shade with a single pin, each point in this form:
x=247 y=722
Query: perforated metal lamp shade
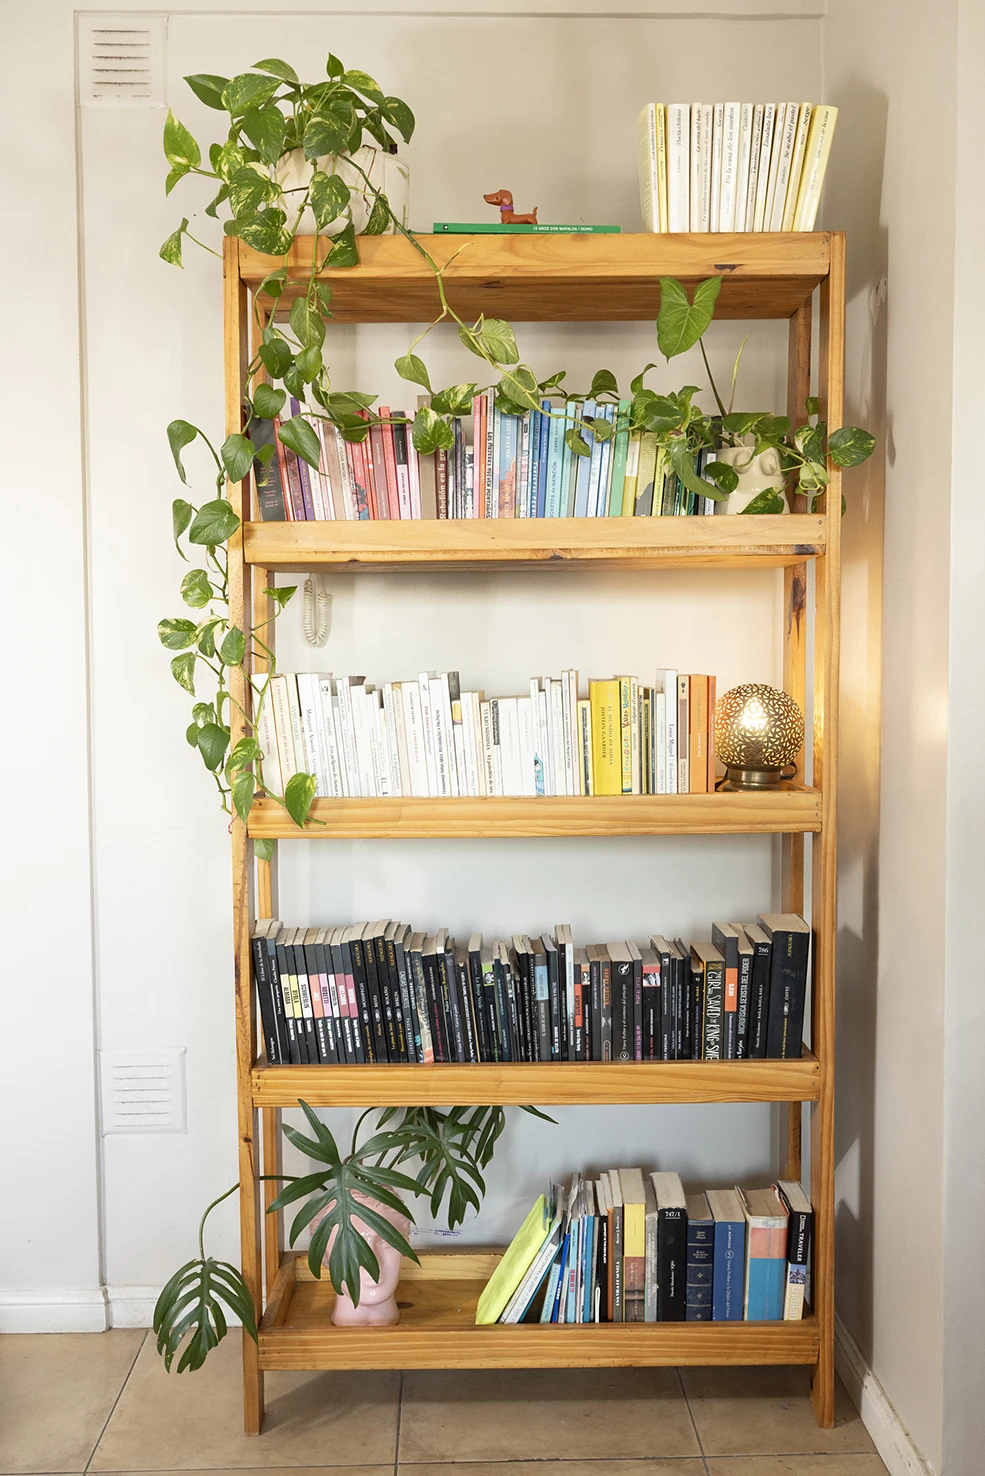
x=758 y=734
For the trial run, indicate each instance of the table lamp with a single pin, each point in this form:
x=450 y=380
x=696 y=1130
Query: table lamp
x=758 y=734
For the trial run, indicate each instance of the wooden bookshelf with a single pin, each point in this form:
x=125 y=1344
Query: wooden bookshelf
x=540 y=543
x=437 y=1329
x=553 y=278
x=564 y=1084
x=786 y=811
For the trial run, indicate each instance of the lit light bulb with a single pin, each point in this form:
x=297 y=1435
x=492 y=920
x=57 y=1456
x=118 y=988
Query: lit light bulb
x=758 y=734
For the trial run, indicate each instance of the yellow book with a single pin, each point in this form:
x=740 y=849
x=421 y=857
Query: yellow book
x=646 y=155
x=606 y=737
x=815 y=163
x=514 y=1265
x=645 y=488
x=797 y=165
x=662 y=165
x=626 y=732
x=633 y=1244
x=632 y=468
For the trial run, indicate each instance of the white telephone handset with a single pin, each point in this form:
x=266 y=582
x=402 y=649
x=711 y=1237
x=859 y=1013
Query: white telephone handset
x=317 y=610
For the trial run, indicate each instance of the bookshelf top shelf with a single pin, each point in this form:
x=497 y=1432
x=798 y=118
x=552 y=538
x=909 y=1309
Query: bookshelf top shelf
x=559 y=279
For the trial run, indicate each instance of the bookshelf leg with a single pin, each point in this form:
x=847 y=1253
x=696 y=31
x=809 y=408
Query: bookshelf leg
x=272 y=1162
x=252 y=1387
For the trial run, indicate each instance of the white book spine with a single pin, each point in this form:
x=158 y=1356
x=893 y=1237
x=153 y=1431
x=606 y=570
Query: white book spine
x=634 y=733
x=323 y=430
x=573 y=739
x=345 y=476
x=448 y=716
x=475 y=703
x=381 y=745
x=545 y=782
x=414 y=473
x=742 y=168
x=364 y=741
x=420 y=779
x=348 y=731
x=336 y=766
x=427 y=725
x=585 y=746
x=717 y=129
x=441 y=740
x=730 y=161
x=698 y=151
x=486 y=734
x=549 y=774
x=765 y=155
x=282 y=727
x=646 y=157
x=570 y=777
x=797 y=165
x=755 y=144
x=509 y=740
x=268 y=771
x=400 y=724
x=678 y=166
x=403 y=483
x=496 y=742
x=393 y=755
x=673 y=755
x=522 y=508
x=660 y=740
x=469 y=767
x=815 y=163
x=309 y=705
x=556 y=697
x=787 y=141
x=525 y=716
x=779 y=122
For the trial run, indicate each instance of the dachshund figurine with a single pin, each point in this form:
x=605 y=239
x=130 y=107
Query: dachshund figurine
x=504 y=199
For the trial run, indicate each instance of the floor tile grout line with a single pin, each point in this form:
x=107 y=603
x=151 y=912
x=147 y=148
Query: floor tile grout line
x=119 y=1396
x=694 y=1423
x=400 y=1410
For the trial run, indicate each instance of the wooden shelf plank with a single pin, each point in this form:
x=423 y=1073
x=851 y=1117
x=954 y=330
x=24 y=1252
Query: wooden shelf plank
x=508 y=543
x=565 y=278
x=560 y=1084
x=786 y=811
x=437 y=1330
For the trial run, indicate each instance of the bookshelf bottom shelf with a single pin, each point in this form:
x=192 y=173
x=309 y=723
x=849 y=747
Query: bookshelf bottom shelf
x=437 y=1330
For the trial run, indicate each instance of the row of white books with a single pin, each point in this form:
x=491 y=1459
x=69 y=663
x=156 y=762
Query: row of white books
x=428 y=738
x=733 y=166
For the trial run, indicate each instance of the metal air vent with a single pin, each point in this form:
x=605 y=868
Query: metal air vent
x=142 y=1091
x=120 y=60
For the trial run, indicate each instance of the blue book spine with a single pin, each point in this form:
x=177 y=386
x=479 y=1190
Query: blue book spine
x=555 y=459
x=566 y=492
x=606 y=412
x=764 y=1289
x=571 y=1275
x=530 y=490
x=730 y=1244
x=508 y=468
x=550 y=1290
x=700 y=1270
x=586 y=470
x=561 y=1280
x=544 y=422
x=588 y=1279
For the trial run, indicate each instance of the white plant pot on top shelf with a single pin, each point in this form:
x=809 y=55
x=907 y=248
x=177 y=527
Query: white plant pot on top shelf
x=386 y=172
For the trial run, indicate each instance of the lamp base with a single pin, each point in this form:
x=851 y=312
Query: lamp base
x=755 y=778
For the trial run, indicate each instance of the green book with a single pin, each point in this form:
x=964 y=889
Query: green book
x=444 y=227
x=619 y=449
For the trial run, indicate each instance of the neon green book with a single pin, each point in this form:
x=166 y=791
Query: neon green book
x=516 y=1262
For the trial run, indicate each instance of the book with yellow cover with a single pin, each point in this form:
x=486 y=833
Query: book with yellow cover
x=606 y=737
x=634 y=1244
x=515 y=1263
x=815 y=163
x=662 y=165
x=626 y=732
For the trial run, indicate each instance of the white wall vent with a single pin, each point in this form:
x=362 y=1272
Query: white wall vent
x=120 y=60
x=142 y=1091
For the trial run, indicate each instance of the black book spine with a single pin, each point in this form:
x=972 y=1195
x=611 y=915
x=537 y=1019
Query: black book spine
x=714 y=993
x=436 y=1013
x=452 y=1003
x=602 y=1231
x=525 y=1007
x=462 y=973
x=800 y=1231
x=684 y=966
x=261 y=981
x=365 y=1001
x=296 y=954
x=622 y=1010
x=507 y=984
x=595 y=1011
x=541 y=989
x=759 y=999
x=408 y=1008
x=788 y=993
x=651 y=1013
x=679 y=1004
x=605 y=1008
x=555 y=999
x=386 y=963
x=666 y=1007
x=415 y=963
x=671 y=1265
x=290 y=1020
x=742 y=1014
x=277 y=998
x=696 y=1010
x=266 y=472
x=637 y=1009
x=495 y=1013
x=479 y=1011
x=579 y=1034
x=383 y=983
x=377 y=1013
x=565 y=1026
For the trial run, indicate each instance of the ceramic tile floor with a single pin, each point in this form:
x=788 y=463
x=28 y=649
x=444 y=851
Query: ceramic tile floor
x=103 y=1403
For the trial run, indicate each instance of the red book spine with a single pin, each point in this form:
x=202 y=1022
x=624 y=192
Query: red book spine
x=390 y=464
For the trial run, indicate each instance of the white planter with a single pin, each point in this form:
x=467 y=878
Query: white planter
x=755 y=473
x=387 y=172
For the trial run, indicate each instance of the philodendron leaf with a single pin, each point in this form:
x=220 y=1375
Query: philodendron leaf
x=171 y=249
x=243 y=787
x=182 y=513
x=329 y=197
x=430 y=432
x=456 y=400
x=604 y=383
x=324 y=136
x=379 y=217
x=180 y=435
x=497 y=341
x=399 y=114
x=213 y=741
x=208 y=89
x=233 y=647
x=268 y=401
x=246 y=750
x=849 y=446
x=576 y=442
x=237 y=456
x=176 y=635
x=263 y=231
x=263 y=850
x=345 y=252
x=179 y=146
x=363 y=82
x=298 y=795
x=635 y=385
x=276 y=357
x=183 y=671
x=274 y=67
x=196 y=588
x=770 y=500
x=297 y=435
x=306 y=324
x=214 y=523
x=725 y=477
x=188 y=1313
x=679 y=323
x=280 y=594
x=248 y=91
x=410 y=367
x=265 y=128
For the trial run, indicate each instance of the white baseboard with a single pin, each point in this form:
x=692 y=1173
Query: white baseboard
x=889 y=1435
x=56 y=1309
x=131 y=1306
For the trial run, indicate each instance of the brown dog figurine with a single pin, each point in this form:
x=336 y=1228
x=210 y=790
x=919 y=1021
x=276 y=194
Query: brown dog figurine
x=504 y=199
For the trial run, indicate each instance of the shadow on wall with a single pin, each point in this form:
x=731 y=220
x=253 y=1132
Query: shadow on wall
x=854 y=202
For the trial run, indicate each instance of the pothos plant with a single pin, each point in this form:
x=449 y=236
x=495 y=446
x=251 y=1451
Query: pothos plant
x=450 y=1147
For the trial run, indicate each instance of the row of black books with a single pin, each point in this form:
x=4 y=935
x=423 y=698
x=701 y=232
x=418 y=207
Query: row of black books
x=626 y=1246
x=382 y=993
